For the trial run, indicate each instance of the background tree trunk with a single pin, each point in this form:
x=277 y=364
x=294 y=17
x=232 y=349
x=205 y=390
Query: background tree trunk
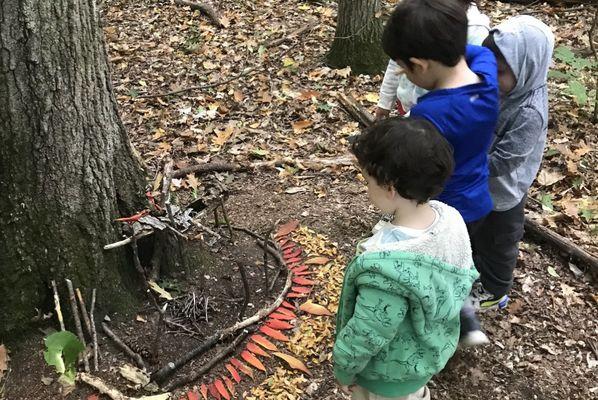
x=357 y=39
x=67 y=168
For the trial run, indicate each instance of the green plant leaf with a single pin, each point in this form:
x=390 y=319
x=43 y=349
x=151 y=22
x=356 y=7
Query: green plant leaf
x=554 y=74
x=578 y=90
x=546 y=201
x=62 y=350
x=564 y=54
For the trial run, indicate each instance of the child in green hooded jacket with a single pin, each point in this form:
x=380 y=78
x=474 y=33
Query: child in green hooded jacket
x=398 y=317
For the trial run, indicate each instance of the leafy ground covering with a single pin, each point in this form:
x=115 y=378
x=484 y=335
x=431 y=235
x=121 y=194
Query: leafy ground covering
x=282 y=105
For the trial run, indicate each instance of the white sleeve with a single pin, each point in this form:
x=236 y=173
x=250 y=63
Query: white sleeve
x=478 y=25
x=388 y=89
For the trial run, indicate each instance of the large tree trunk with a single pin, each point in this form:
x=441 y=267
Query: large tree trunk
x=357 y=39
x=67 y=168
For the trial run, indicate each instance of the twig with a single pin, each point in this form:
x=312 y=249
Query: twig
x=95 y=332
x=208 y=10
x=593 y=47
x=245 y=291
x=205 y=228
x=75 y=311
x=86 y=319
x=126 y=349
x=101 y=386
x=266 y=284
x=128 y=240
x=230 y=229
x=159 y=328
x=355 y=110
x=207 y=167
x=209 y=365
x=163 y=373
x=166 y=181
x=57 y=306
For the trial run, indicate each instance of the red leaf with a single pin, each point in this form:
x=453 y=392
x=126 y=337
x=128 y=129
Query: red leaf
x=193 y=395
x=229 y=385
x=293 y=260
x=214 y=391
x=294 y=295
x=273 y=333
x=242 y=367
x=265 y=343
x=303 y=281
x=317 y=261
x=204 y=391
x=221 y=389
x=276 y=324
x=284 y=241
x=281 y=317
x=300 y=268
x=290 y=253
x=304 y=273
x=288 y=305
x=251 y=359
x=289 y=244
x=287 y=228
x=286 y=312
x=233 y=373
x=301 y=289
x=255 y=349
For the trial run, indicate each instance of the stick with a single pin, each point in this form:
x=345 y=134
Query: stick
x=163 y=373
x=128 y=240
x=101 y=386
x=355 y=110
x=593 y=47
x=57 y=306
x=75 y=311
x=207 y=167
x=266 y=240
x=93 y=327
x=230 y=230
x=245 y=291
x=562 y=243
x=126 y=349
x=209 y=365
x=86 y=319
x=206 y=9
x=166 y=181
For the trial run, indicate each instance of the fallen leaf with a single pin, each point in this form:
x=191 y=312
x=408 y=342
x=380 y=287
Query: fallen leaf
x=372 y=97
x=255 y=349
x=223 y=136
x=251 y=359
x=233 y=372
x=571 y=296
x=317 y=261
x=295 y=189
x=192 y=395
x=214 y=391
x=291 y=253
x=242 y=367
x=221 y=389
x=313 y=308
x=203 y=389
x=265 y=343
x=139 y=318
x=300 y=289
x=343 y=73
x=295 y=295
x=277 y=324
x=48 y=381
x=163 y=396
x=548 y=178
x=134 y=374
x=163 y=293
x=229 y=385
x=238 y=96
x=300 y=269
x=288 y=305
x=3 y=360
x=299 y=126
x=552 y=272
x=303 y=281
x=280 y=316
x=286 y=311
x=308 y=95
x=273 y=333
x=293 y=362
x=287 y=228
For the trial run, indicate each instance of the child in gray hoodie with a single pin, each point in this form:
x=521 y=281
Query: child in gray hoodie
x=523 y=47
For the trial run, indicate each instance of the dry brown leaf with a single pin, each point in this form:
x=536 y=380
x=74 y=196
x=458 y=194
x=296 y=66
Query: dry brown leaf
x=299 y=126
x=3 y=360
x=315 y=309
x=293 y=362
x=548 y=178
x=317 y=261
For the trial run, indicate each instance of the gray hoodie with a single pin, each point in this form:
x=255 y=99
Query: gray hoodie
x=516 y=153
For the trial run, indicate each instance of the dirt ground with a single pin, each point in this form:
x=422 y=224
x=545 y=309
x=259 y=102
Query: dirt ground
x=544 y=346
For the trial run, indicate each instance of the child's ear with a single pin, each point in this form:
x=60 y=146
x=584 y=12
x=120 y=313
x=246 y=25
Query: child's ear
x=419 y=64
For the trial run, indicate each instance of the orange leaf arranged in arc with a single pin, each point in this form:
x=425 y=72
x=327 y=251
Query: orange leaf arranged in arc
x=293 y=260
x=276 y=324
x=242 y=367
x=286 y=312
x=233 y=373
x=313 y=308
x=289 y=244
x=221 y=389
x=290 y=253
x=303 y=281
x=229 y=385
x=265 y=343
x=302 y=273
x=283 y=241
x=214 y=391
x=251 y=359
x=300 y=268
x=317 y=261
x=293 y=362
x=287 y=228
x=295 y=295
x=192 y=395
x=300 y=289
x=204 y=391
x=255 y=349
x=281 y=317
x=273 y=333
x=288 y=305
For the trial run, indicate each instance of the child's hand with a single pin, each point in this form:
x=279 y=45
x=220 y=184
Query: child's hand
x=381 y=113
x=347 y=389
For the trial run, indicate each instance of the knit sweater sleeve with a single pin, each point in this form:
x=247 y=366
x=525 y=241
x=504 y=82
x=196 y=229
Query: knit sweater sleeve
x=373 y=325
x=388 y=90
x=513 y=148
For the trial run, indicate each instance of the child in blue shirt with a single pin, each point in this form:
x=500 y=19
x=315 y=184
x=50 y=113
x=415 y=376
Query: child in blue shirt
x=428 y=40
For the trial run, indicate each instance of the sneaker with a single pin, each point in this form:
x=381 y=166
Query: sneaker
x=484 y=301
x=471 y=332
x=473 y=338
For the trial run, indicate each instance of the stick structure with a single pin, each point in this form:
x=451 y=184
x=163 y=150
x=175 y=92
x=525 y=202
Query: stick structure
x=95 y=332
x=75 y=310
x=126 y=349
x=57 y=306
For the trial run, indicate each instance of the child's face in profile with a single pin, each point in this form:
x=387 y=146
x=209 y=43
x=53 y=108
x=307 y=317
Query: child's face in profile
x=506 y=78
x=382 y=197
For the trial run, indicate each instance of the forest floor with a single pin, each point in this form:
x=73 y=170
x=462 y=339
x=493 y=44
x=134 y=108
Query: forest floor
x=283 y=105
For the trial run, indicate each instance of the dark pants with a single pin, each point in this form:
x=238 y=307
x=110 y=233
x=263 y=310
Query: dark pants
x=495 y=246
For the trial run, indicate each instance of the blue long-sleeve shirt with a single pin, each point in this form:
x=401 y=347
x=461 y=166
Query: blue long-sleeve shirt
x=466 y=117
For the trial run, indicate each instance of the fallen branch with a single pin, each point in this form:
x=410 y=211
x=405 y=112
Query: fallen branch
x=166 y=181
x=163 y=373
x=128 y=240
x=86 y=319
x=206 y=9
x=209 y=365
x=355 y=110
x=207 y=167
x=78 y=327
x=95 y=332
x=57 y=305
x=245 y=291
x=101 y=386
x=562 y=243
x=126 y=349
x=260 y=242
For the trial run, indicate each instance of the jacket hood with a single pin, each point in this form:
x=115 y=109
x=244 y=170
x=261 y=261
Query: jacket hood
x=526 y=44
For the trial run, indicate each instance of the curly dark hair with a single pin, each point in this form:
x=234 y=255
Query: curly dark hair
x=408 y=154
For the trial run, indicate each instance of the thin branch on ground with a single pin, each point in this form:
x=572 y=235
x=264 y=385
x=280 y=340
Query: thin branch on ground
x=225 y=215
x=101 y=386
x=57 y=305
x=86 y=319
x=266 y=273
x=75 y=310
x=217 y=166
x=93 y=328
x=245 y=291
x=206 y=9
x=126 y=349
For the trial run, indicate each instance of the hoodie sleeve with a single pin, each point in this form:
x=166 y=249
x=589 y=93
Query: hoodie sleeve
x=518 y=142
x=374 y=323
x=390 y=83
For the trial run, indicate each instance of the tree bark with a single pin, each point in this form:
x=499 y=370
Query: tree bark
x=67 y=168
x=357 y=39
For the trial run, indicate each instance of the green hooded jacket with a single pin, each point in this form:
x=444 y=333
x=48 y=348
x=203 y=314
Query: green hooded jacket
x=398 y=320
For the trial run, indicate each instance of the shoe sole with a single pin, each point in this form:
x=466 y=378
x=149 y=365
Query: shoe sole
x=495 y=305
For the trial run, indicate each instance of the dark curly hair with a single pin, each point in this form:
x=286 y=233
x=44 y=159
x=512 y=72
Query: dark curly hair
x=408 y=154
